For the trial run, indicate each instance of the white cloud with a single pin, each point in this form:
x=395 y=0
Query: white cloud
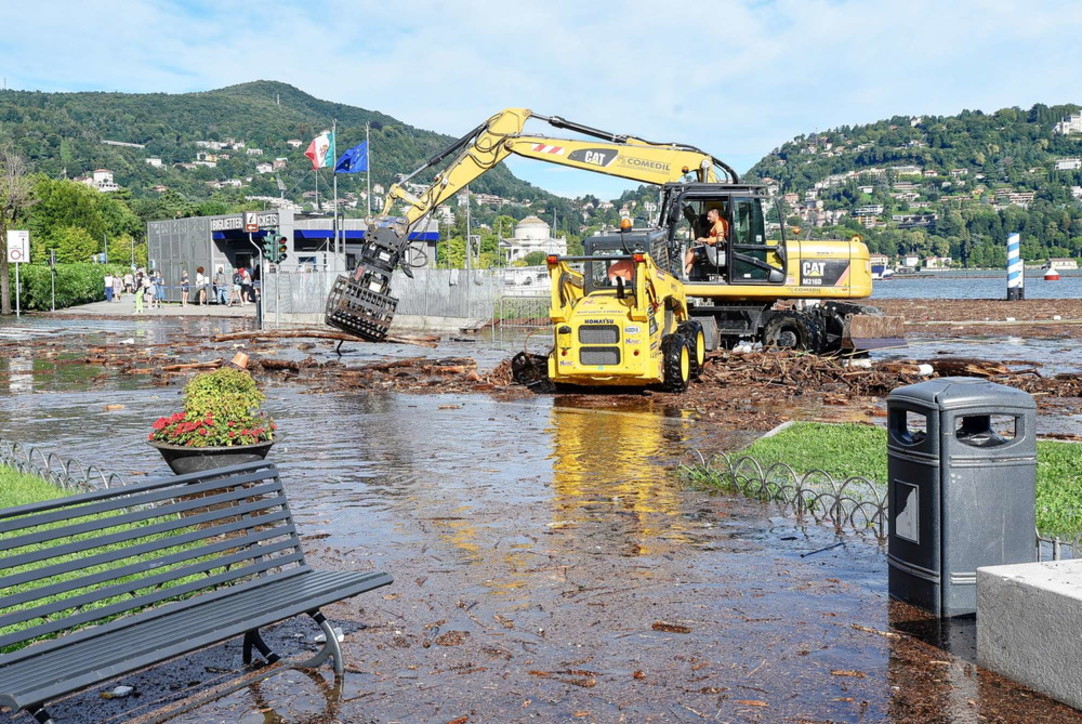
x=735 y=78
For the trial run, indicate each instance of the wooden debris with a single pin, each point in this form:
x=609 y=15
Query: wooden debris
x=423 y=341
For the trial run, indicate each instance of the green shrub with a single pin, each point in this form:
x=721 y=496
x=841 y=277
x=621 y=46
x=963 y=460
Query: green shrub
x=78 y=283
x=219 y=410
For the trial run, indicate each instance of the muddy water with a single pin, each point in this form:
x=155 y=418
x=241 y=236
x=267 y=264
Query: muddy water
x=548 y=567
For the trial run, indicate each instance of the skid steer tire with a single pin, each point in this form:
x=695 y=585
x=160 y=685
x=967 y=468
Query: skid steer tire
x=793 y=330
x=696 y=339
x=677 y=363
x=531 y=370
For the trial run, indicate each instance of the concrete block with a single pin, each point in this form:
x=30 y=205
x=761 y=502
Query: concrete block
x=1028 y=619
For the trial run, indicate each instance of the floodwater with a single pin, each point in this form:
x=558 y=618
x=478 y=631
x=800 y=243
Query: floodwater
x=549 y=565
x=976 y=285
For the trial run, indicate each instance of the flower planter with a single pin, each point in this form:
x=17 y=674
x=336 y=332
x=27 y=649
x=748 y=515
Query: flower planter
x=181 y=459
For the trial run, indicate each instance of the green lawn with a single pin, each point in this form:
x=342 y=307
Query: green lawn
x=21 y=488
x=850 y=449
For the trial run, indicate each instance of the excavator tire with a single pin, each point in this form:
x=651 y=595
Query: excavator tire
x=696 y=339
x=677 y=358
x=793 y=330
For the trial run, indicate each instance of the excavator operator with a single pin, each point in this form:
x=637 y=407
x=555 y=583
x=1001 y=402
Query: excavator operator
x=623 y=269
x=716 y=233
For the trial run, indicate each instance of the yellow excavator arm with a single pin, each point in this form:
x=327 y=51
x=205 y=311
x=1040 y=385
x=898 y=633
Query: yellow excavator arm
x=501 y=136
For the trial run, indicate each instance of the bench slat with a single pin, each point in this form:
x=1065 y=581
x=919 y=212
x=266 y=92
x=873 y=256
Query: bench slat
x=142 y=513
x=40 y=676
x=266 y=551
x=148 y=493
x=79 y=619
x=130 y=551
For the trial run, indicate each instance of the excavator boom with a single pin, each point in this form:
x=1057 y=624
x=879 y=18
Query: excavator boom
x=362 y=305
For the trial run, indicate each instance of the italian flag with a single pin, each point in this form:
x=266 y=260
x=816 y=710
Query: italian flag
x=321 y=150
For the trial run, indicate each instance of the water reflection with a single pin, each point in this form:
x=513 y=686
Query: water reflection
x=611 y=480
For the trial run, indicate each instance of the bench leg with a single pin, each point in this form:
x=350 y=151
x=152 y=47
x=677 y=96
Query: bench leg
x=252 y=638
x=39 y=713
x=330 y=649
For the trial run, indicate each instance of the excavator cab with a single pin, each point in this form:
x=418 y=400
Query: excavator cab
x=745 y=257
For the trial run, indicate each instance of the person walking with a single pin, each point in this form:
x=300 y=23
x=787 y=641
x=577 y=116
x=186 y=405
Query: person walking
x=221 y=295
x=245 y=286
x=150 y=290
x=138 y=300
x=159 y=289
x=238 y=281
x=108 y=287
x=185 y=288
x=201 y=287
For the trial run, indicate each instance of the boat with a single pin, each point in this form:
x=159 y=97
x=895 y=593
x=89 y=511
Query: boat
x=881 y=272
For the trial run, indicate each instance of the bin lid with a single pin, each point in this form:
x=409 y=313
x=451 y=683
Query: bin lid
x=960 y=392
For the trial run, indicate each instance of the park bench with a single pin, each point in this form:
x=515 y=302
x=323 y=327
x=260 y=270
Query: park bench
x=98 y=585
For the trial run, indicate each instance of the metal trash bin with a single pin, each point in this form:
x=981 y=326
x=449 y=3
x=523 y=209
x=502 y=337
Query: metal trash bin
x=961 y=488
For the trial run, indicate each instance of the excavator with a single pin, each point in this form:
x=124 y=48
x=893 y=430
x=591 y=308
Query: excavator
x=782 y=292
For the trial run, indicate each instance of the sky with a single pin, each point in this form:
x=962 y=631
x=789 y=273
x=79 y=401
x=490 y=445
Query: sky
x=735 y=78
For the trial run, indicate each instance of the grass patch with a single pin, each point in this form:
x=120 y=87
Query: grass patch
x=846 y=450
x=21 y=488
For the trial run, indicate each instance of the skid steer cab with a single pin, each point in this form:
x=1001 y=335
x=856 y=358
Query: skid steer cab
x=620 y=320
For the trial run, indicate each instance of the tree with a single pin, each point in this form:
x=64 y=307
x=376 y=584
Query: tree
x=16 y=196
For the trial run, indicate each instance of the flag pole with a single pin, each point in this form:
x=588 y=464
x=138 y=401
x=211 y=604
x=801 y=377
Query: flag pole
x=334 y=176
x=368 y=171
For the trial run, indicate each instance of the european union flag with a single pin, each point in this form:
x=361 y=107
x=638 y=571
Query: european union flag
x=354 y=160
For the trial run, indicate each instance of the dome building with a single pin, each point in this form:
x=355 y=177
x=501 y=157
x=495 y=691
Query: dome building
x=533 y=234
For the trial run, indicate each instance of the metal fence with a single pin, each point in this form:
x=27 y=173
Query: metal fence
x=67 y=474
x=513 y=299
x=855 y=503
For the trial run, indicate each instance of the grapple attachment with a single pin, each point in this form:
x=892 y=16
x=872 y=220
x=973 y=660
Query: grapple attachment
x=360 y=304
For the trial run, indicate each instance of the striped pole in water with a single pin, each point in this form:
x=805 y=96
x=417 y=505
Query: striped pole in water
x=1016 y=279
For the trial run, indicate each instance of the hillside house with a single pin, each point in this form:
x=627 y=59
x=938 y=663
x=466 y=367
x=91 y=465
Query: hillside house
x=1063 y=264
x=1068 y=164
x=101 y=179
x=1070 y=124
x=937 y=262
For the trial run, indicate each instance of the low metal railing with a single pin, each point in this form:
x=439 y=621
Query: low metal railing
x=68 y=474
x=855 y=503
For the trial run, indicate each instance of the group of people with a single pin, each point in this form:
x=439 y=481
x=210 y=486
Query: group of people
x=148 y=288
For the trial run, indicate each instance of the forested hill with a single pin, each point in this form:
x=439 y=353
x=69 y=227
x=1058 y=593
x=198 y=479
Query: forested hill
x=64 y=135
x=941 y=185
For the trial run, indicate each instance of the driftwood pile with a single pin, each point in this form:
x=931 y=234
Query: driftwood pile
x=794 y=374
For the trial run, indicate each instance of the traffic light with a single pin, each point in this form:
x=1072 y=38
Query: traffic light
x=280 y=250
x=268 y=247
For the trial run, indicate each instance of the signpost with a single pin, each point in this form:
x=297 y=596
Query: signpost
x=18 y=253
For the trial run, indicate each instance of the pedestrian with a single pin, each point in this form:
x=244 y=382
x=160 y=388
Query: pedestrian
x=246 y=286
x=129 y=283
x=221 y=291
x=138 y=294
x=185 y=287
x=200 y=286
x=159 y=289
x=238 y=279
x=108 y=287
x=150 y=290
